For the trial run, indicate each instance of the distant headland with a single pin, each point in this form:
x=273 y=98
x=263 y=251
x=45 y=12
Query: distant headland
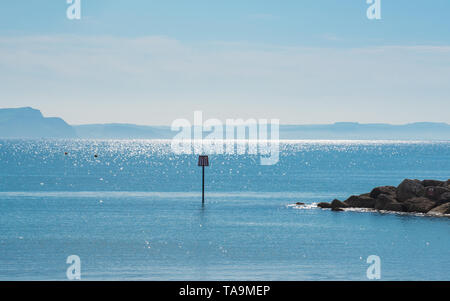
x=28 y=122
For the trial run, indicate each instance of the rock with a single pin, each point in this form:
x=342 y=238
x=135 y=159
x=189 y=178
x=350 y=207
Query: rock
x=419 y=204
x=361 y=201
x=440 y=210
x=336 y=204
x=445 y=198
x=427 y=196
x=447 y=184
x=389 y=190
x=299 y=203
x=397 y=207
x=409 y=189
x=383 y=200
x=435 y=192
x=337 y=209
x=427 y=183
x=324 y=205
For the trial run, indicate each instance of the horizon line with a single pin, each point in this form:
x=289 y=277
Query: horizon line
x=281 y=124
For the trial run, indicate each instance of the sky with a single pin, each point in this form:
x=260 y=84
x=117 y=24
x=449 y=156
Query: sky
x=303 y=62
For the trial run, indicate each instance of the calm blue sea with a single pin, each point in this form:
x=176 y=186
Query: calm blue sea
x=134 y=212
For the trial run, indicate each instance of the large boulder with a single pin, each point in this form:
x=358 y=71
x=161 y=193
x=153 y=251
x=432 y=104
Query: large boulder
x=419 y=204
x=440 y=210
x=447 y=183
x=360 y=201
x=409 y=189
x=445 y=198
x=324 y=205
x=435 y=192
x=396 y=206
x=427 y=183
x=389 y=190
x=336 y=204
x=383 y=200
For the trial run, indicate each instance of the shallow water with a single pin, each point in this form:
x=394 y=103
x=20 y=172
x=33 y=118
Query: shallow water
x=135 y=212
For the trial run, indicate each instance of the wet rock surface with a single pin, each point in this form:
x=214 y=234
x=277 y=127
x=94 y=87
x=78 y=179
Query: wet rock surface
x=431 y=197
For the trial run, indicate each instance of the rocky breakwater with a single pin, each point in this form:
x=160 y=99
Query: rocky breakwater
x=431 y=197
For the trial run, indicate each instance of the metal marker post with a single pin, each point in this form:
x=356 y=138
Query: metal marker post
x=203 y=184
x=203 y=161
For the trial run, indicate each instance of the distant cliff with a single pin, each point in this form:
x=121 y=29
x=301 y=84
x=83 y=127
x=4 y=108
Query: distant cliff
x=374 y=131
x=336 y=131
x=29 y=123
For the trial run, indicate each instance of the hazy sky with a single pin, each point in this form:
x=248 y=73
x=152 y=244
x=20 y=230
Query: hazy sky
x=150 y=62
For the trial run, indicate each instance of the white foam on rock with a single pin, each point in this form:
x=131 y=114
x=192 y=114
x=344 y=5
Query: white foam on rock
x=309 y=206
x=305 y=206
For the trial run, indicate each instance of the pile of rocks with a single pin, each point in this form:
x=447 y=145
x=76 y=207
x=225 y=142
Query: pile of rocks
x=428 y=196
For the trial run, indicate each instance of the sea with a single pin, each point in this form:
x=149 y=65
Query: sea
x=132 y=210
